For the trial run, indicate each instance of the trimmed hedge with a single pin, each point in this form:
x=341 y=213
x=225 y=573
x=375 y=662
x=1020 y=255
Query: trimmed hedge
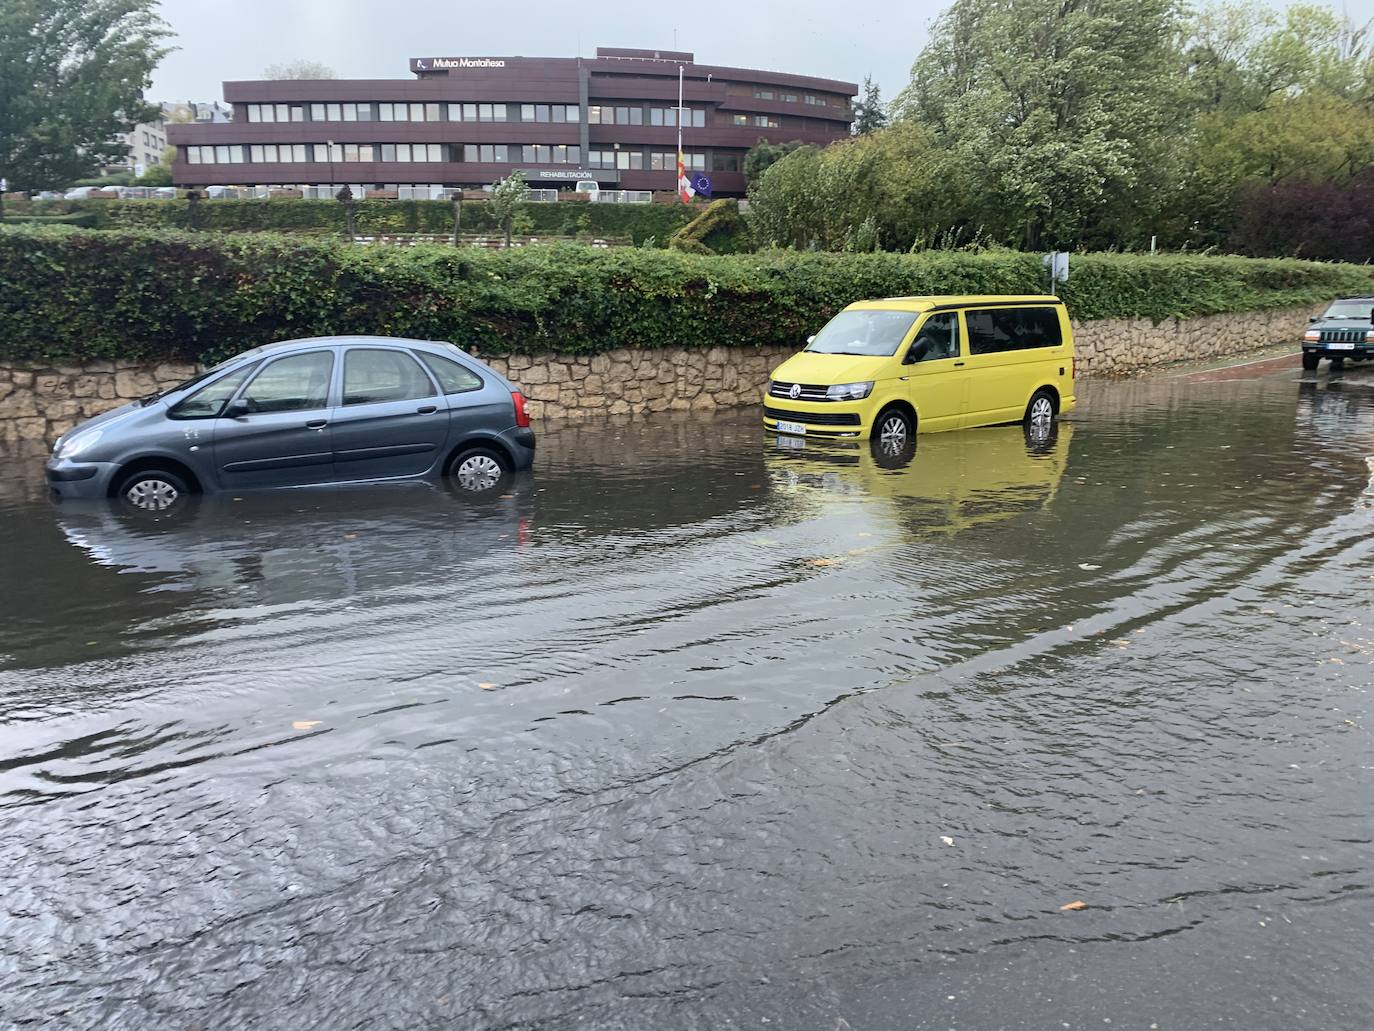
x=375 y=217
x=71 y=294
x=719 y=229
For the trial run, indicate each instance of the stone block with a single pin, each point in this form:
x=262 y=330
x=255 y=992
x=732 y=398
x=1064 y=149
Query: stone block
x=106 y=388
x=99 y=366
x=558 y=373
x=21 y=378
x=31 y=429
x=543 y=392
x=20 y=404
x=535 y=374
x=130 y=384
x=600 y=364
x=86 y=386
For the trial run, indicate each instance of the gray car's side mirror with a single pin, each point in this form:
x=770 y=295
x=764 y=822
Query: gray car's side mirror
x=236 y=409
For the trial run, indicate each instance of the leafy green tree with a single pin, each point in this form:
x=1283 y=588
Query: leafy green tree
x=869 y=113
x=762 y=155
x=895 y=188
x=72 y=76
x=1064 y=111
x=506 y=196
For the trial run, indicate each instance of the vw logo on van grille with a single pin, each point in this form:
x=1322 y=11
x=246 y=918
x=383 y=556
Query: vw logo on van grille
x=795 y=392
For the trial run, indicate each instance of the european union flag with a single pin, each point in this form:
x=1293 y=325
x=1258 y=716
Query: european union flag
x=701 y=182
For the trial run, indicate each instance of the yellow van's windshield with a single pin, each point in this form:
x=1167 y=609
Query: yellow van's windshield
x=873 y=334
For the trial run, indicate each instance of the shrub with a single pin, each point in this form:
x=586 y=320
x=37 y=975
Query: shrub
x=71 y=294
x=719 y=229
x=374 y=217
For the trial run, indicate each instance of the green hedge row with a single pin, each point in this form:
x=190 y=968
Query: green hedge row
x=322 y=217
x=72 y=294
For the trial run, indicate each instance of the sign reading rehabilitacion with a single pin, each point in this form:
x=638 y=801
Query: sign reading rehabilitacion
x=428 y=64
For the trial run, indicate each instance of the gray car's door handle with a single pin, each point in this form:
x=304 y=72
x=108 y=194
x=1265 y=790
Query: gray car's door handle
x=317 y=424
x=427 y=409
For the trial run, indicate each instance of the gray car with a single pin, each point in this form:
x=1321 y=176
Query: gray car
x=326 y=410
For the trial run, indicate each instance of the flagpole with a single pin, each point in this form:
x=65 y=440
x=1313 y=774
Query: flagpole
x=679 y=111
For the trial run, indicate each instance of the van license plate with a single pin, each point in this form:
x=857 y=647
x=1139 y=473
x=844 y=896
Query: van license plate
x=790 y=443
x=799 y=428
x=1329 y=347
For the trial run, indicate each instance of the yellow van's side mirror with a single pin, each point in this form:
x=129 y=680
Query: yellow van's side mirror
x=918 y=350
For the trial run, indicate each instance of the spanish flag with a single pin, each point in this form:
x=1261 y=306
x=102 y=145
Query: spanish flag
x=684 y=185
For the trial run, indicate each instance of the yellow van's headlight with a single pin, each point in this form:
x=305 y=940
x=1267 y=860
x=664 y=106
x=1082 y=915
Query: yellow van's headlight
x=849 y=391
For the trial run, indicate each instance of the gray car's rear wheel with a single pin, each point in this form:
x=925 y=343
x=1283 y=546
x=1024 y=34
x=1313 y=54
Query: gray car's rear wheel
x=152 y=490
x=479 y=470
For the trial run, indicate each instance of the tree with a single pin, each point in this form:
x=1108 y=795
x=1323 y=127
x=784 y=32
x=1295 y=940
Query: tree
x=72 y=76
x=505 y=196
x=1065 y=112
x=299 y=70
x=764 y=154
x=869 y=114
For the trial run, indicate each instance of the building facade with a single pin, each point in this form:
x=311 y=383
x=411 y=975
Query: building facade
x=148 y=140
x=470 y=121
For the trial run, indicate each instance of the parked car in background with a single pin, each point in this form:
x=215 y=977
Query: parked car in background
x=889 y=368
x=1344 y=330
x=48 y=195
x=79 y=193
x=319 y=411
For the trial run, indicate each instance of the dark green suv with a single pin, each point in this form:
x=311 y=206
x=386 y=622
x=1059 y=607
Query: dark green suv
x=1345 y=331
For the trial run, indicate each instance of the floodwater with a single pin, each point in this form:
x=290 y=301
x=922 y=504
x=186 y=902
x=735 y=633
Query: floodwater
x=693 y=730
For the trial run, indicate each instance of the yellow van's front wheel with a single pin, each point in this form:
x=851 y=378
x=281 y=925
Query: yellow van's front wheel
x=894 y=429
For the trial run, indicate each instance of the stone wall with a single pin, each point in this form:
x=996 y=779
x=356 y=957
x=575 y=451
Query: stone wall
x=39 y=403
x=1123 y=347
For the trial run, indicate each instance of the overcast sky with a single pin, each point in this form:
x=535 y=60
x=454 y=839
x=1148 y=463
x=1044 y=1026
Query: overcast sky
x=368 y=39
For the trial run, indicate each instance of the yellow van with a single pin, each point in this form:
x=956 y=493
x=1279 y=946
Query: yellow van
x=893 y=367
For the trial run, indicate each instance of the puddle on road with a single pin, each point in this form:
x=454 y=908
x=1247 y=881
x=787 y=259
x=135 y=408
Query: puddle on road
x=697 y=728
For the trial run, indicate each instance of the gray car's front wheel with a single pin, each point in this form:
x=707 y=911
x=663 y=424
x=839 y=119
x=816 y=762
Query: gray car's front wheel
x=479 y=470
x=152 y=490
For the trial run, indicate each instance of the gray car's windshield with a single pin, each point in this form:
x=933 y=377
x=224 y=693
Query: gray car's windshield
x=199 y=377
x=875 y=334
x=1351 y=309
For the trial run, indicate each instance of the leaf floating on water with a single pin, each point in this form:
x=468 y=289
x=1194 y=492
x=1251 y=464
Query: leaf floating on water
x=821 y=562
x=1075 y=905
x=947 y=839
x=304 y=724
x=350 y=536
x=487 y=687
x=1088 y=566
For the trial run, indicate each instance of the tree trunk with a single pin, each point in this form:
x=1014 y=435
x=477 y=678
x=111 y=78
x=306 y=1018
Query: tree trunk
x=508 y=228
x=457 y=215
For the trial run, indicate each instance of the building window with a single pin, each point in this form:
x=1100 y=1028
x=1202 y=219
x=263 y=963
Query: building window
x=595 y=115
x=600 y=159
x=763 y=121
x=317 y=112
x=333 y=113
x=790 y=98
x=763 y=94
x=193 y=155
x=297 y=152
x=739 y=119
x=297 y=113
x=666 y=161
x=811 y=98
x=628 y=115
x=431 y=112
x=489 y=112
x=625 y=159
x=350 y=112
x=724 y=162
x=487 y=153
x=663 y=116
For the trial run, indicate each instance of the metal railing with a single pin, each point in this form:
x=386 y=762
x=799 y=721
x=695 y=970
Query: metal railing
x=623 y=196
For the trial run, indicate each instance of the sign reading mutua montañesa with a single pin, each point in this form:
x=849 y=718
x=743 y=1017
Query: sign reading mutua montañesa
x=425 y=64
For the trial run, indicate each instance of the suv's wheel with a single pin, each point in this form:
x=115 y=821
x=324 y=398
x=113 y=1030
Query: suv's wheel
x=479 y=470
x=152 y=490
x=1310 y=360
x=1040 y=414
x=894 y=431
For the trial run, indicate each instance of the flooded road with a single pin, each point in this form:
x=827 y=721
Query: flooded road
x=694 y=730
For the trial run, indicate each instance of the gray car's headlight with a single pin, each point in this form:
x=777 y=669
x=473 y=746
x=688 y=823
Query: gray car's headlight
x=849 y=391
x=73 y=445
